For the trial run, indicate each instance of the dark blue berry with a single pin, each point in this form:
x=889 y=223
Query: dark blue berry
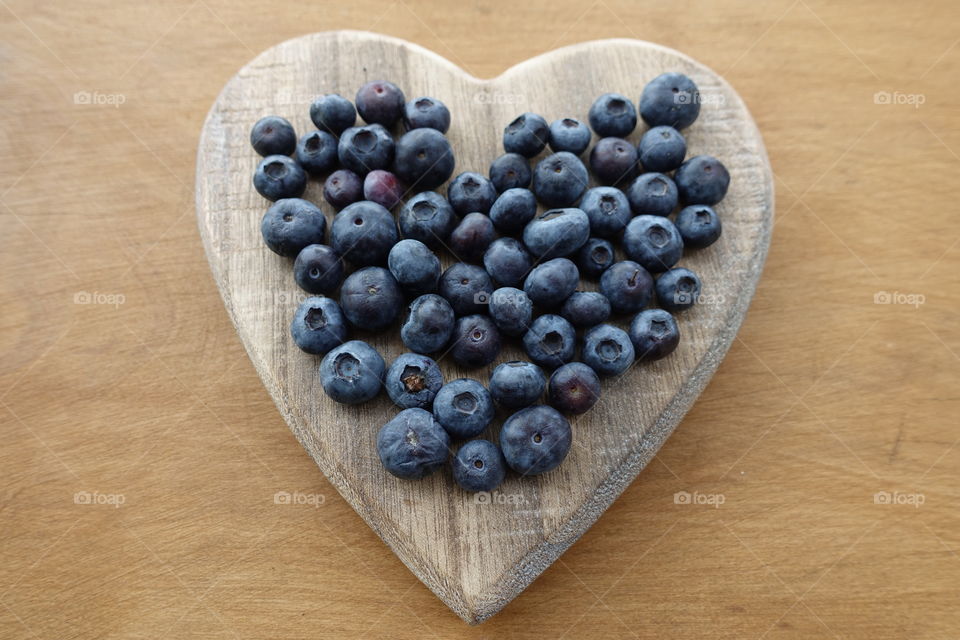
x=371 y=298
x=607 y=350
x=471 y=192
x=510 y=171
x=653 y=242
x=535 y=440
x=318 y=325
x=352 y=373
x=479 y=466
x=560 y=179
x=383 y=188
x=415 y=266
x=426 y=113
x=569 y=134
x=670 y=99
x=702 y=180
x=463 y=407
x=279 y=177
x=661 y=149
x=466 y=287
x=517 y=384
x=608 y=210
x=343 y=187
x=574 y=388
x=613 y=161
x=424 y=159
x=677 y=289
x=380 y=102
x=628 y=286
x=333 y=113
x=317 y=152
x=511 y=310
x=699 y=226
x=527 y=135
x=413 y=380
x=272 y=136
x=428 y=325
x=595 y=257
x=507 y=261
x=476 y=341
x=413 y=444
x=469 y=240
x=513 y=209
x=291 y=224
x=613 y=115
x=551 y=282
x=427 y=217
x=363 y=233
x=556 y=233
x=363 y=149
x=318 y=269
x=551 y=341
x=586 y=309
x=652 y=194
x=654 y=335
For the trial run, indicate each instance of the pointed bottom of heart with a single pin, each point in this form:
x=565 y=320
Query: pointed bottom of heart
x=475 y=553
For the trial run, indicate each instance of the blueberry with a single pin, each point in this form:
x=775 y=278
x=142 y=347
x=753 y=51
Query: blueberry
x=371 y=299
x=272 y=136
x=343 y=187
x=507 y=261
x=513 y=209
x=510 y=171
x=677 y=289
x=352 y=373
x=652 y=194
x=613 y=160
x=527 y=135
x=559 y=180
x=551 y=282
x=586 y=308
x=318 y=269
x=466 y=287
x=511 y=310
x=517 y=384
x=654 y=242
x=628 y=286
x=428 y=325
x=333 y=113
x=463 y=407
x=476 y=341
x=383 y=188
x=291 y=224
x=607 y=350
x=363 y=149
x=569 y=134
x=702 y=180
x=317 y=152
x=427 y=217
x=380 y=102
x=535 y=440
x=670 y=99
x=279 y=177
x=413 y=380
x=470 y=192
x=608 y=210
x=613 y=115
x=424 y=158
x=318 y=325
x=426 y=113
x=479 y=466
x=661 y=149
x=469 y=240
x=699 y=226
x=556 y=233
x=416 y=268
x=551 y=341
x=363 y=233
x=654 y=335
x=413 y=445
x=595 y=257
x=574 y=388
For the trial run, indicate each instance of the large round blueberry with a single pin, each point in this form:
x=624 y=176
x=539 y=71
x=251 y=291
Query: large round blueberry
x=628 y=286
x=607 y=350
x=654 y=334
x=569 y=134
x=702 y=180
x=608 y=210
x=586 y=308
x=613 y=161
x=527 y=135
x=595 y=257
x=424 y=158
x=613 y=115
x=333 y=113
x=318 y=325
x=479 y=466
x=342 y=187
x=511 y=310
x=556 y=233
x=535 y=440
x=560 y=179
x=654 y=242
x=291 y=224
x=428 y=325
x=510 y=171
x=652 y=194
x=413 y=380
x=463 y=407
x=551 y=341
x=699 y=226
x=415 y=267
x=317 y=152
x=476 y=341
x=371 y=298
x=513 y=209
x=466 y=287
x=470 y=239
x=363 y=149
x=661 y=149
x=670 y=99
x=517 y=384
x=427 y=217
x=318 y=269
x=279 y=177
x=551 y=282
x=363 y=233
x=383 y=188
x=507 y=261
x=413 y=445
x=574 y=388
x=272 y=136
x=470 y=192
x=380 y=102
x=352 y=373
x=426 y=113
x=677 y=289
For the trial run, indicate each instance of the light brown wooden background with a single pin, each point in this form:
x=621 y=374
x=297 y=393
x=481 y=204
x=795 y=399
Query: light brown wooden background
x=825 y=399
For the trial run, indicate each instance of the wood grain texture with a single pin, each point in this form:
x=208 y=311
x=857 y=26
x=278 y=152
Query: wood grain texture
x=476 y=556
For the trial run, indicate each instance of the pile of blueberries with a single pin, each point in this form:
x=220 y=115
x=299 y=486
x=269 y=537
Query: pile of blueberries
x=518 y=267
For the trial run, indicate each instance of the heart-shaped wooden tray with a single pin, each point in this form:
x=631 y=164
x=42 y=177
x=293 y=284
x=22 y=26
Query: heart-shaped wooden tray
x=475 y=553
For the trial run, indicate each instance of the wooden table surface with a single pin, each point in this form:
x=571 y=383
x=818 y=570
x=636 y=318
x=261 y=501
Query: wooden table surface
x=141 y=454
